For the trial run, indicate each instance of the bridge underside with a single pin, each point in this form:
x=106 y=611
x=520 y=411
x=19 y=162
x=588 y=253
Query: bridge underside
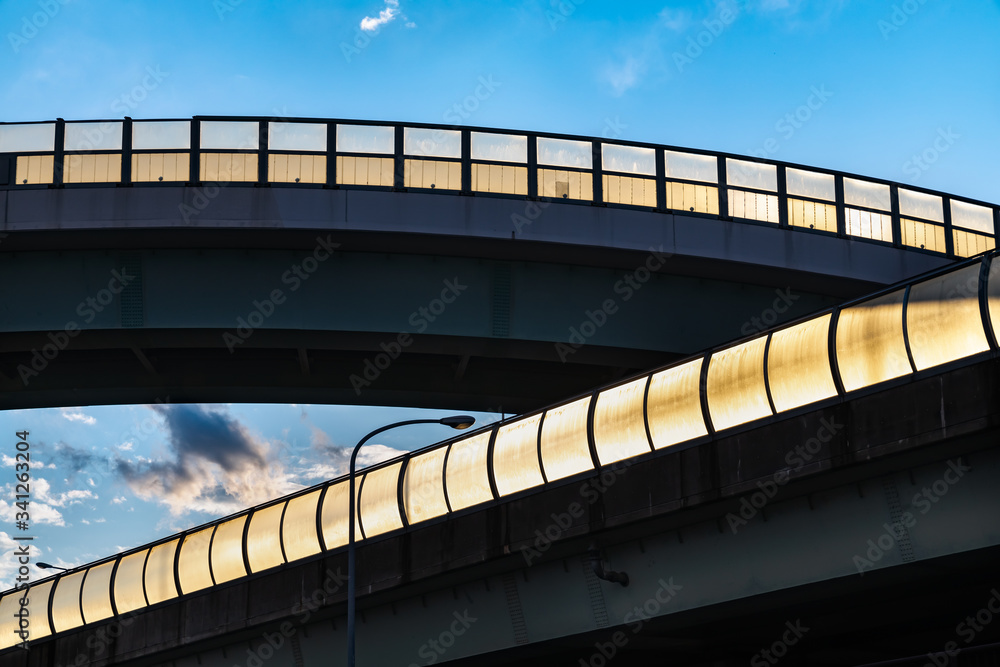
x=867 y=526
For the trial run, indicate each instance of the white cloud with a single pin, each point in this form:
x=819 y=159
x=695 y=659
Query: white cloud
x=625 y=75
x=77 y=416
x=387 y=15
x=119 y=500
x=675 y=19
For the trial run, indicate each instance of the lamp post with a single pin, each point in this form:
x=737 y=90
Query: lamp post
x=457 y=422
x=46 y=566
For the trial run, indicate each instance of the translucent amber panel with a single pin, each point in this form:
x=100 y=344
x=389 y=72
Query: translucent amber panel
x=364 y=170
x=193 y=568
x=296 y=168
x=993 y=297
x=128 y=582
x=867 y=194
x=674 y=405
x=66 y=602
x=943 y=322
x=155 y=167
x=565 y=448
x=161 y=135
x=34 y=169
x=812 y=215
x=691 y=166
x=423 y=486
x=264 y=538
x=736 y=390
x=27 y=138
x=504 y=178
x=380 y=500
x=798 y=364
x=227 y=550
x=299 y=527
x=810 y=184
x=565 y=153
x=920 y=205
x=437 y=174
x=566 y=184
x=101 y=136
x=97 y=593
x=515 y=456
x=629 y=190
x=619 y=425
x=869 y=225
x=335 y=517
x=870 y=345
x=159 y=577
x=972 y=216
x=98 y=168
x=466 y=476
x=753 y=206
x=38 y=615
x=744 y=174
x=629 y=159
x=229 y=167
x=694 y=198
x=967 y=244
x=924 y=235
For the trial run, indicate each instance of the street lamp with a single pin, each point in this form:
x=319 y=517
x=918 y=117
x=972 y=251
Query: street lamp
x=46 y=566
x=457 y=422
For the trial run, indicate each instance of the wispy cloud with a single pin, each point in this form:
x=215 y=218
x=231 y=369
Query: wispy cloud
x=77 y=416
x=386 y=16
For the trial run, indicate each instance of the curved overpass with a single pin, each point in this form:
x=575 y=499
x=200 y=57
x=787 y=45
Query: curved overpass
x=255 y=259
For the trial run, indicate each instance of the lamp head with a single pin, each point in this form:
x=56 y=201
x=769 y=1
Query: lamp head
x=459 y=422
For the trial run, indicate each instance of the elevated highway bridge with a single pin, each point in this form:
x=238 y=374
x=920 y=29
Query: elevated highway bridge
x=323 y=260
x=823 y=492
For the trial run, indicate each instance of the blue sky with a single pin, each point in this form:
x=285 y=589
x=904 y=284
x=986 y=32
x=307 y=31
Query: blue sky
x=860 y=86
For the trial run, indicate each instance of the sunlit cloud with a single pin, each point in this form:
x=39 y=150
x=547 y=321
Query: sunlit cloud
x=386 y=16
x=77 y=416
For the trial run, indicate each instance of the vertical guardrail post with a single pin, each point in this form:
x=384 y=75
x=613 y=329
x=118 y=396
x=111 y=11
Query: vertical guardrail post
x=399 y=161
x=331 y=155
x=59 y=153
x=126 y=151
x=782 y=197
x=723 y=188
x=262 y=132
x=195 y=150
x=466 y=162
x=597 y=166
x=532 y=166
x=838 y=184
x=661 y=180
x=949 y=237
x=897 y=228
